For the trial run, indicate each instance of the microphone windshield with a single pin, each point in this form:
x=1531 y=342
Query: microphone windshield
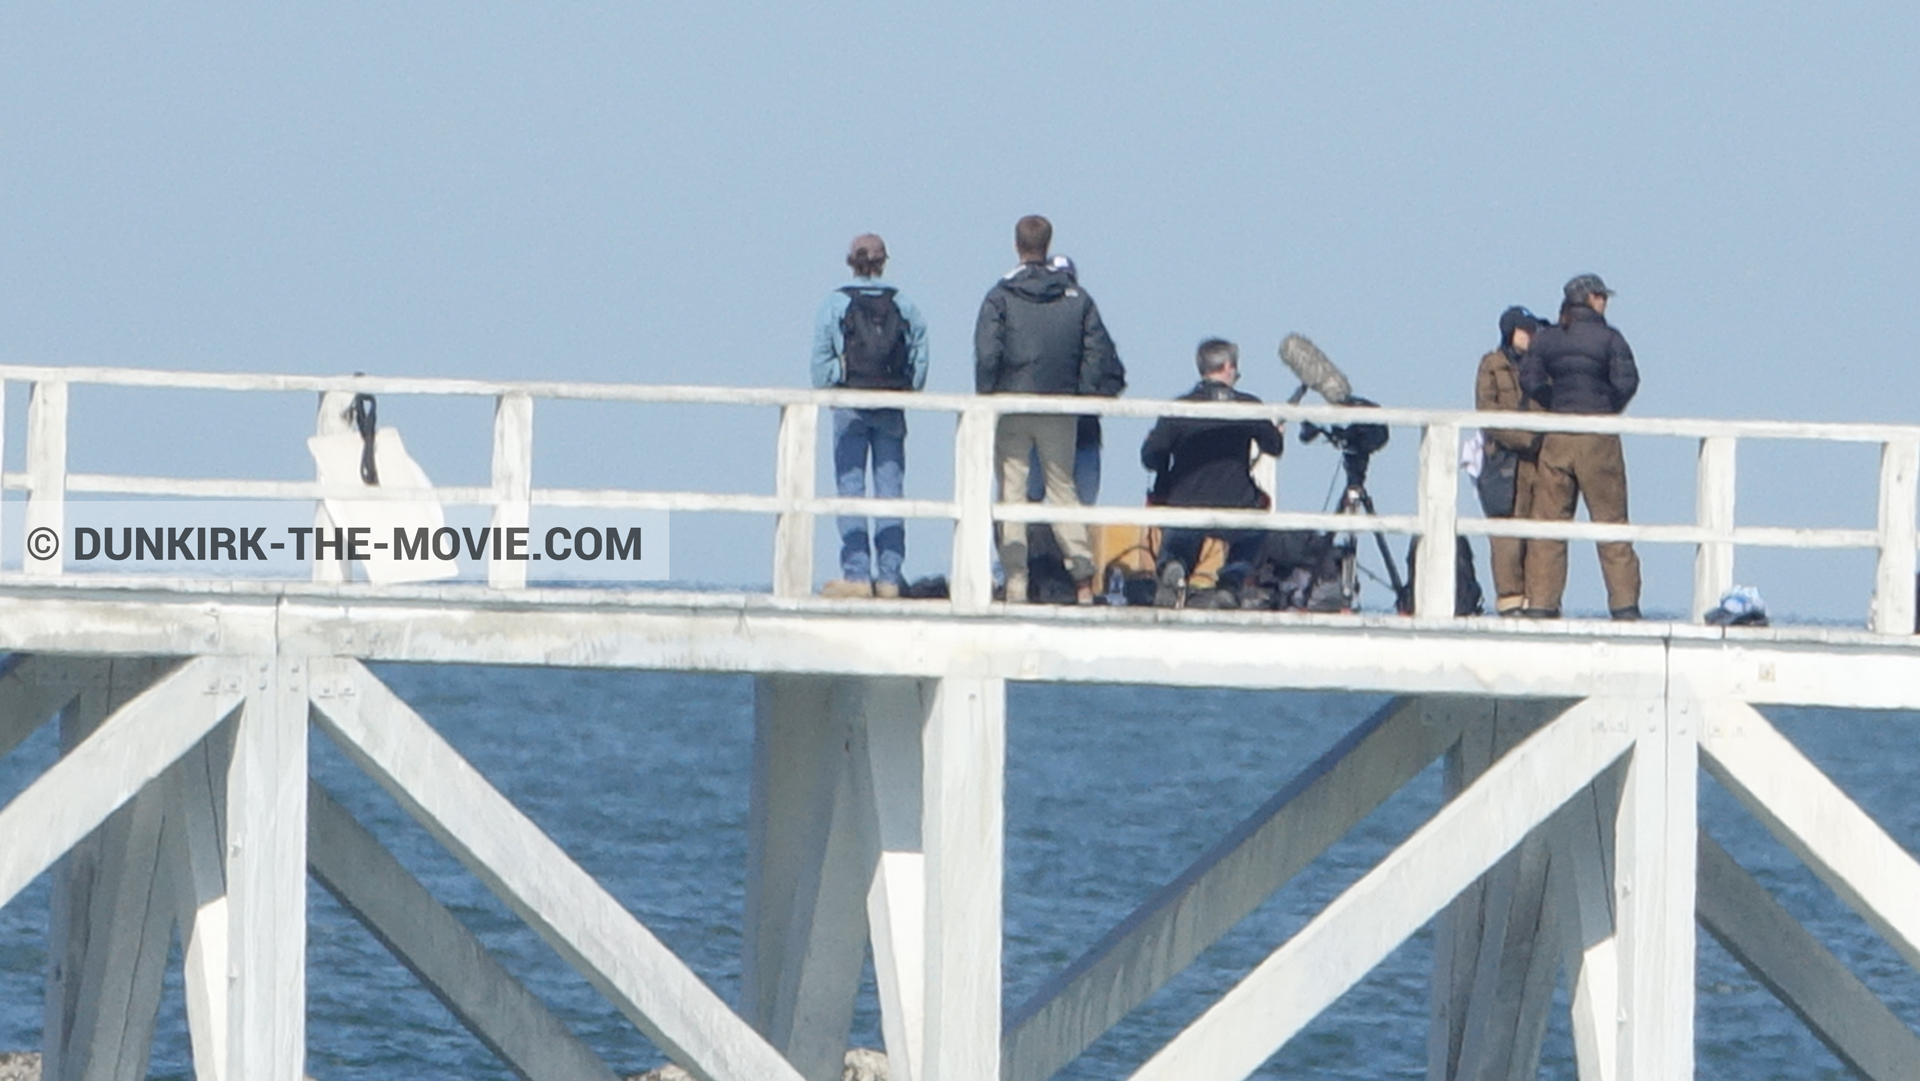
x=1314 y=369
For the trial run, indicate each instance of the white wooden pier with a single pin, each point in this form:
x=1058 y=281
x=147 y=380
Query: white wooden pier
x=1570 y=841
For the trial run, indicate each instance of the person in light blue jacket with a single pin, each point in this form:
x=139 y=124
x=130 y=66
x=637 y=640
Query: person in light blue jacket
x=869 y=337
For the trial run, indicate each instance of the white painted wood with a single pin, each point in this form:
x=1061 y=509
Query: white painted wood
x=1493 y=969
x=811 y=852
x=33 y=689
x=72 y=888
x=1582 y=875
x=130 y=924
x=780 y=396
x=1893 y=581
x=973 y=471
x=794 y=471
x=521 y=865
x=129 y=749
x=887 y=779
x=438 y=949
x=1350 y=936
x=1159 y=939
x=195 y=846
x=897 y=918
x=1654 y=892
x=1818 y=822
x=1713 y=510
x=1079 y=645
x=333 y=419
x=46 y=473
x=1439 y=482
x=266 y=873
x=962 y=823
x=512 y=480
x=1817 y=986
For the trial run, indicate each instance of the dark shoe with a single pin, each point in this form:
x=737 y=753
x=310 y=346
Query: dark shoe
x=1213 y=598
x=1540 y=613
x=1172 y=586
x=1626 y=615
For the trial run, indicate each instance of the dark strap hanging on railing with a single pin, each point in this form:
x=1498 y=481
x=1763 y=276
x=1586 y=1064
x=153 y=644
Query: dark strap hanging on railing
x=365 y=414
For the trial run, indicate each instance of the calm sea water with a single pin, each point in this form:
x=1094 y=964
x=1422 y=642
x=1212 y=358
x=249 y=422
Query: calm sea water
x=643 y=778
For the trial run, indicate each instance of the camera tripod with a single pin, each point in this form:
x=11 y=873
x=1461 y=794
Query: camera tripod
x=1357 y=444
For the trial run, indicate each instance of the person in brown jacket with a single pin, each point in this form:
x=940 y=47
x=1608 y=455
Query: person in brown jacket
x=1507 y=477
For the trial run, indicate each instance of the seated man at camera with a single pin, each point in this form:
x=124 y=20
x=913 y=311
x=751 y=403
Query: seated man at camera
x=1207 y=462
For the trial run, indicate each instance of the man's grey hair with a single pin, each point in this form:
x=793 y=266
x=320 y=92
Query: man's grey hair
x=1214 y=355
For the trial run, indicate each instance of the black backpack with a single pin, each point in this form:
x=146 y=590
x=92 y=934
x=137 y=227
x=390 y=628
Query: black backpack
x=875 y=354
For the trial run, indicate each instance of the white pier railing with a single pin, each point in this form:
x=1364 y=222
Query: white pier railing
x=1715 y=534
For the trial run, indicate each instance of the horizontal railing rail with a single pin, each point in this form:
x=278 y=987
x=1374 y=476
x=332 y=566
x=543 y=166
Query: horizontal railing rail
x=795 y=504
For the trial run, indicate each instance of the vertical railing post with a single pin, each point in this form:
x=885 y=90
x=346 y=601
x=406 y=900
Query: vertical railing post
x=1893 y=584
x=1713 y=512
x=972 y=585
x=793 y=482
x=512 y=484
x=47 y=476
x=1439 y=491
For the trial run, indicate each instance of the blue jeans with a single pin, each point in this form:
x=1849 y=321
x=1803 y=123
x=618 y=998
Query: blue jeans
x=882 y=435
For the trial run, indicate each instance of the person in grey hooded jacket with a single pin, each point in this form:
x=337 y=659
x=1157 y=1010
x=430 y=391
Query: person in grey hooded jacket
x=1040 y=333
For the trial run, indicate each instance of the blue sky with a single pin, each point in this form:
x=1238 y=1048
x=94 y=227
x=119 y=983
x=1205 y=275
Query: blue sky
x=663 y=193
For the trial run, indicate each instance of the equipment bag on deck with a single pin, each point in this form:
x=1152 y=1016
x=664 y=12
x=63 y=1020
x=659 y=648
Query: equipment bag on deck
x=1468 y=600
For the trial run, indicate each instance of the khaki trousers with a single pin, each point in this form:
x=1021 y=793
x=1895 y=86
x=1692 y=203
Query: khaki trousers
x=1572 y=467
x=1053 y=437
x=1509 y=554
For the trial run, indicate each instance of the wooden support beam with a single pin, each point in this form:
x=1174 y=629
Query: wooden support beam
x=129 y=916
x=962 y=822
x=195 y=846
x=891 y=784
x=1654 y=872
x=811 y=853
x=34 y=688
x=1818 y=822
x=130 y=748
x=438 y=949
x=79 y=941
x=1498 y=950
x=1365 y=923
x=1803 y=974
x=266 y=874
x=1582 y=885
x=525 y=869
x=1161 y=937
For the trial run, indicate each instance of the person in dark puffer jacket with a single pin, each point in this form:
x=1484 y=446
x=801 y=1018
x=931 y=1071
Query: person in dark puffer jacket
x=1040 y=333
x=1581 y=366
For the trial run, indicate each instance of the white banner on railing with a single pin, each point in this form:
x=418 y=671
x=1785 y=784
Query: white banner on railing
x=221 y=540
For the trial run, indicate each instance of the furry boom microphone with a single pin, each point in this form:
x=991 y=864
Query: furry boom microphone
x=1316 y=372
